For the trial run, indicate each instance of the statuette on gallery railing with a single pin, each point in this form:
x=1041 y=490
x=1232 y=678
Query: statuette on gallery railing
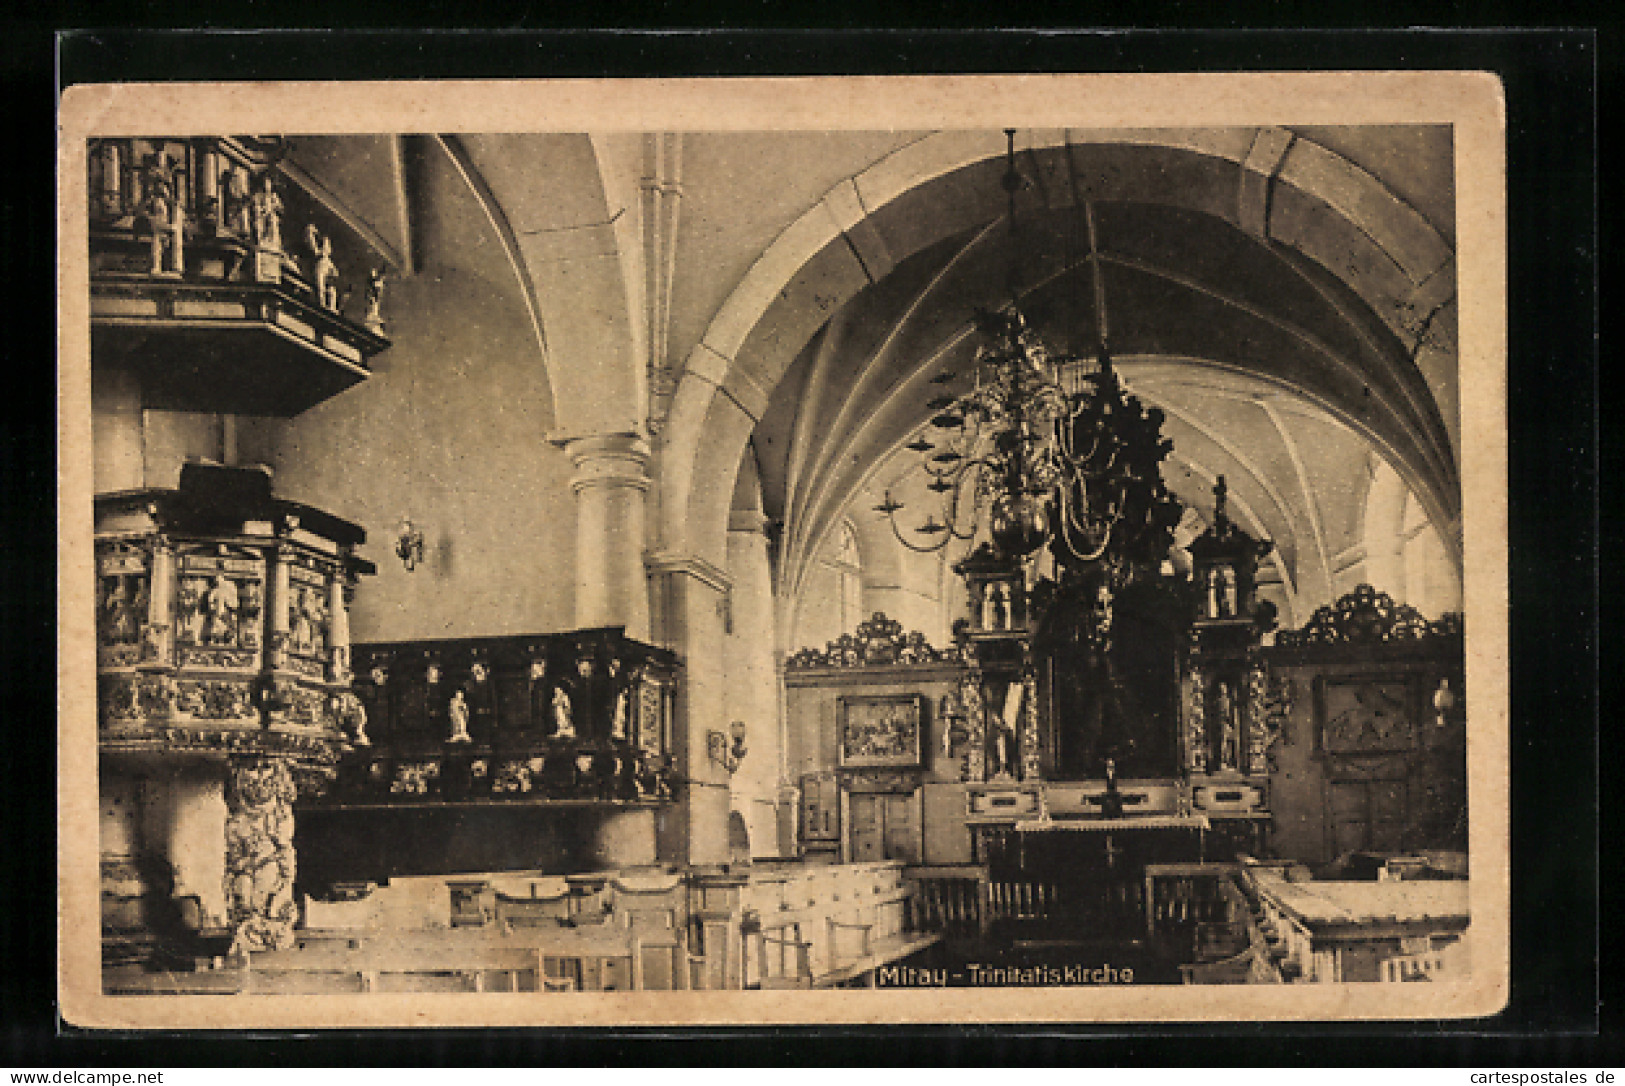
x=323 y=272
x=165 y=218
x=457 y=712
x=266 y=210
x=351 y=717
x=563 y=726
x=373 y=318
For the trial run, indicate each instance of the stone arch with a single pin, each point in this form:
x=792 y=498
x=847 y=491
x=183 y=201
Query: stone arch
x=1268 y=181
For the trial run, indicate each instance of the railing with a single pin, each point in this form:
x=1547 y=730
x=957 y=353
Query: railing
x=1201 y=911
x=964 y=902
x=578 y=717
x=951 y=900
x=1178 y=896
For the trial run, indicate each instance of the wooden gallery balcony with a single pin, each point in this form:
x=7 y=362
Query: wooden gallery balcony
x=215 y=279
x=571 y=719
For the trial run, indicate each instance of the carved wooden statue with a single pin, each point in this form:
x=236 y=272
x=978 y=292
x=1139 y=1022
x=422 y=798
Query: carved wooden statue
x=239 y=211
x=457 y=712
x=219 y=606
x=620 y=714
x=563 y=725
x=266 y=209
x=323 y=272
x=374 y=316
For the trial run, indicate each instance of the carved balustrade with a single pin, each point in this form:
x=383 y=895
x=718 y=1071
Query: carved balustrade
x=573 y=718
x=192 y=237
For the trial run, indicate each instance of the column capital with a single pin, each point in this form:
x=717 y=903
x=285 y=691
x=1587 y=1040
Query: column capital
x=607 y=460
x=694 y=566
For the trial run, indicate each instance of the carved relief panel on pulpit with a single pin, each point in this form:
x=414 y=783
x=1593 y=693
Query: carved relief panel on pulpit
x=219 y=606
x=123 y=602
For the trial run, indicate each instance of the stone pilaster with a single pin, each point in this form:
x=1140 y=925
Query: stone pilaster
x=157 y=648
x=752 y=680
x=690 y=595
x=610 y=485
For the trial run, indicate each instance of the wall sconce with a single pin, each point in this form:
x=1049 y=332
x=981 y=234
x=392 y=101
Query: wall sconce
x=725 y=754
x=1444 y=703
x=409 y=544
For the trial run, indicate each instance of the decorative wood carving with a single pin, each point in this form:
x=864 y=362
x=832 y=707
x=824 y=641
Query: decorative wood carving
x=1028 y=734
x=575 y=717
x=1196 y=722
x=970 y=694
x=1367 y=616
x=1274 y=697
x=893 y=782
x=878 y=642
x=1259 y=737
x=122 y=603
x=260 y=861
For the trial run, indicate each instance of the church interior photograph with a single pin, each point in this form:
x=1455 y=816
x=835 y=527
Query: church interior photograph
x=615 y=561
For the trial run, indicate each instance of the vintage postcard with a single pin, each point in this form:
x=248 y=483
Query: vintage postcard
x=848 y=550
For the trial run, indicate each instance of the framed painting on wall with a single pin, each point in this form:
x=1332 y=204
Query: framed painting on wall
x=880 y=730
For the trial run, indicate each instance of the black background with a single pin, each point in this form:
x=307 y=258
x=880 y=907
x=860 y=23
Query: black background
x=1553 y=81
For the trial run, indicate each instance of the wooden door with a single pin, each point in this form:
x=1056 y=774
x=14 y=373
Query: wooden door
x=885 y=827
x=902 y=828
x=1348 y=813
x=868 y=828
x=1388 y=813
x=820 y=808
x=1367 y=815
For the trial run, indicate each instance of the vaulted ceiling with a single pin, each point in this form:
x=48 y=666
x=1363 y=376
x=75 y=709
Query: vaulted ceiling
x=1286 y=296
x=1271 y=370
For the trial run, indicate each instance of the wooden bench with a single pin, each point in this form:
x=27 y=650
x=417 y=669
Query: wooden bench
x=455 y=960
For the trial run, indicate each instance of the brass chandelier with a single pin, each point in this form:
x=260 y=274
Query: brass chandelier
x=1044 y=449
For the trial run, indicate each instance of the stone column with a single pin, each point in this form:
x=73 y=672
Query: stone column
x=157 y=646
x=197 y=812
x=207 y=208
x=260 y=860
x=610 y=485
x=338 y=610
x=689 y=597
x=752 y=682
x=281 y=591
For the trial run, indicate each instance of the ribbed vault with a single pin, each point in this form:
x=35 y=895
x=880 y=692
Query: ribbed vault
x=1271 y=372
